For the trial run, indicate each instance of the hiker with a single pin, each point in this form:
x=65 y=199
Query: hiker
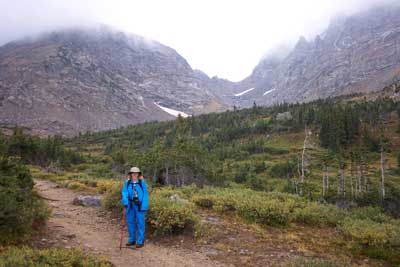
x=135 y=199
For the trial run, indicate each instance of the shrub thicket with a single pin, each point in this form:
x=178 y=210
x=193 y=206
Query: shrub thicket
x=268 y=208
x=38 y=151
x=20 y=206
x=315 y=262
x=168 y=213
x=28 y=257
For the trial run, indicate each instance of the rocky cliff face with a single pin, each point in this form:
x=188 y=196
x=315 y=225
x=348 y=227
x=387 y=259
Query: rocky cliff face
x=357 y=54
x=87 y=80
x=95 y=79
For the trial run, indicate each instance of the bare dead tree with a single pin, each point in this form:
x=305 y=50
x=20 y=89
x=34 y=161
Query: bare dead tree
x=382 y=184
x=295 y=180
x=304 y=159
x=351 y=178
x=303 y=155
x=167 y=174
x=182 y=175
x=358 y=181
x=343 y=181
x=325 y=180
x=364 y=179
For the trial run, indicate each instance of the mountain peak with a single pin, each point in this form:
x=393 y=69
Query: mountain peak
x=302 y=44
x=85 y=79
x=356 y=54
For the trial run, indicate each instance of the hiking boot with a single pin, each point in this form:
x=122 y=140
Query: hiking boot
x=139 y=245
x=130 y=244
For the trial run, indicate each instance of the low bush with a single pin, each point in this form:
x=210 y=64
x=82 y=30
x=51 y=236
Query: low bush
x=168 y=212
x=271 y=208
x=28 y=257
x=111 y=200
x=271 y=212
x=370 y=233
x=103 y=186
x=43 y=152
x=391 y=255
x=315 y=262
x=20 y=206
x=205 y=201
x=170 y=216
x=285 y=169
x=314 y=213
x=371 y=213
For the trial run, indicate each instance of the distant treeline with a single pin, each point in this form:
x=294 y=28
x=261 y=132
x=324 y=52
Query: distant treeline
x=203 y=144
x=20 y=206
x=34 y=150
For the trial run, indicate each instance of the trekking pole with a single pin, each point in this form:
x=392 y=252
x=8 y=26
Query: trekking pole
x=123 y=223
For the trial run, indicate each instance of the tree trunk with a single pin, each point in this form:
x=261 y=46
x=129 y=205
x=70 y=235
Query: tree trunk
x=296 y=182
x=166 y=174
x=323 y=183
x=155 y=175
x=327 y=179
x=303 y=155
x=182 y=177
x=358 y=180
x=343 y=182
x=351 y=179
x=382 y=174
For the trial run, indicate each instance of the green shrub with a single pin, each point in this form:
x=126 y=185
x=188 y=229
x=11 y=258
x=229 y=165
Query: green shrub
x=371 y=233
x=398 y=159
x=372 y=213
x=111 y=200
x=168 y=191
x=314 y=262
x=316 y=214
x=20 y=207
x=169 y=216
x=42 y=152
x=104 y=186
x=189 y=190
x=391 y=255
x=284 y=169
x=205 y=201
x=226 y=200
x=272 y=212
x=271 y=208
x=275 y=150
x=55 y=257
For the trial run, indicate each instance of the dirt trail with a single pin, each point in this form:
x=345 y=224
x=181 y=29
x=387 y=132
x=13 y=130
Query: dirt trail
x=76 y=226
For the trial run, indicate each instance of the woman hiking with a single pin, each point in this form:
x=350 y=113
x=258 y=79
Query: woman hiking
x=135 y=199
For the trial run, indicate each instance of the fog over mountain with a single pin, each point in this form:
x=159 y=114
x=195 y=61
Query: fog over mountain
x=72 y=74
x=223 y=38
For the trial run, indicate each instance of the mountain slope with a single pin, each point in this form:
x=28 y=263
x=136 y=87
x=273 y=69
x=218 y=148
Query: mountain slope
x=360 y=53
x=94 y=79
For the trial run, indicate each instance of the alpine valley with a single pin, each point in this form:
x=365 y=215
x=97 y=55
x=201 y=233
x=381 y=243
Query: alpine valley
x=90 y=79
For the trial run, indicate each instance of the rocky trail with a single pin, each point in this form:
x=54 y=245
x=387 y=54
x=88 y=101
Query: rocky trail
x=85 y=227
x=229 y=243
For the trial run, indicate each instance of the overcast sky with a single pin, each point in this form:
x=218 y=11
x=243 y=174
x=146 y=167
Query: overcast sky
x=226 y=38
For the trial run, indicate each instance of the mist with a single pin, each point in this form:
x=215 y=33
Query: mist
x=224 y=38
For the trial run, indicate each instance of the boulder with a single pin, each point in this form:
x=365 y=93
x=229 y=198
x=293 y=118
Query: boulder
x=87 y=201
x=285 y=116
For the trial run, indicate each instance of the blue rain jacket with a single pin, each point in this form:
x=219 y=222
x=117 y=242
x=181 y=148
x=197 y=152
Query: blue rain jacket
x=128 y=192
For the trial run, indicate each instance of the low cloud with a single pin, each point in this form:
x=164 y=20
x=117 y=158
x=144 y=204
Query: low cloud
x=225 y=38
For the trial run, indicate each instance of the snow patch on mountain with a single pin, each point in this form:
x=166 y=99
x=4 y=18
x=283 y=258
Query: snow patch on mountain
x=171 y=111
x=244 y=92
x=269 y=91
